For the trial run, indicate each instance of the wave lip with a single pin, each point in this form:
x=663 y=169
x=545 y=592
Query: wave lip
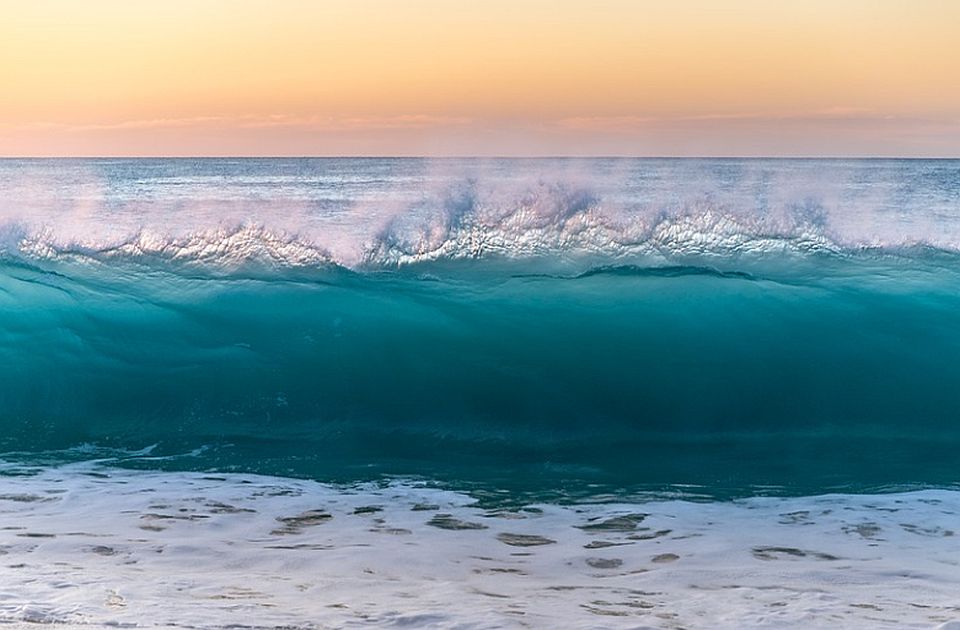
x=219 y=249
x=541 y=227
x=392 y=214
x=575 y=224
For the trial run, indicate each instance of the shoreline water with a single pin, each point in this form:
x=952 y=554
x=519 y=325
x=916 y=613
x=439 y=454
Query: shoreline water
x=87 y=544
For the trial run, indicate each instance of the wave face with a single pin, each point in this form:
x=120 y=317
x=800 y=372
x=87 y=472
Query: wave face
x=549 y=326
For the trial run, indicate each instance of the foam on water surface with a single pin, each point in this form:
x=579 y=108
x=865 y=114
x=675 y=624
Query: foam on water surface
x=374 y=214
x=88 y=545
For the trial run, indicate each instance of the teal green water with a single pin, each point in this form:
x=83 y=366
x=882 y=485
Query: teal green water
x=625 y=377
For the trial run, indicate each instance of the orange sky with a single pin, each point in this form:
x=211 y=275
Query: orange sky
x=500 y=77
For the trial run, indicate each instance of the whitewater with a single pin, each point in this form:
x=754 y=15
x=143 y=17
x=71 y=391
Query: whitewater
x=479 y=393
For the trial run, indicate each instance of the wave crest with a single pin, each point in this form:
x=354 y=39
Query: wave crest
x=545 y=225
x=570 y=223
x=226 y=249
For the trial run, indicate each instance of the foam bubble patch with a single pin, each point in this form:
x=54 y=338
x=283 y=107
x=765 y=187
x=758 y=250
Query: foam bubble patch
x=86 y=545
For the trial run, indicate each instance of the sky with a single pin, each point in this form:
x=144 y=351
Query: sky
x=463 y=77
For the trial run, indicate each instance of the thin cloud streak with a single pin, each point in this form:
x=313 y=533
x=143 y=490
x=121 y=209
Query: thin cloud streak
x=254 y=121
x=849 y=115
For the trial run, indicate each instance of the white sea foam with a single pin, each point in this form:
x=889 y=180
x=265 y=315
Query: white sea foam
x=229 y=214
x=580 y=229
x=220 y=249
x=86 y=545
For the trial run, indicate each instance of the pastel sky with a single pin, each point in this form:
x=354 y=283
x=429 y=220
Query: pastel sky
x=470 y=77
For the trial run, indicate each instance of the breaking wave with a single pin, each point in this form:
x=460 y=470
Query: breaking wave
x=503 y=331
x=550 y=227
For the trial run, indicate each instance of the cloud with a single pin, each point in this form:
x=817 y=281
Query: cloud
x=256 y=121
x=829 y=114
x=355 y=123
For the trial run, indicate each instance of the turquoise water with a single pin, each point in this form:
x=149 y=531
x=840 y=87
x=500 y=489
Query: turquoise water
x=554 y=328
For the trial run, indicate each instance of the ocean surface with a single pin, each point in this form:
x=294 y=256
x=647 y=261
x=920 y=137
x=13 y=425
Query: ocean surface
x=478 y=393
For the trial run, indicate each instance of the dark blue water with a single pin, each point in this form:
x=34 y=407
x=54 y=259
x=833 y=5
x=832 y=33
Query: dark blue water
x=548 y=327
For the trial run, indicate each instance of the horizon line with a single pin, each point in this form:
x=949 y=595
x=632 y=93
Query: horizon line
x=412 y=156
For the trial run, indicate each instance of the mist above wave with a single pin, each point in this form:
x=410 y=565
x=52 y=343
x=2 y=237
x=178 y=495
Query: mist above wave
x=550 y=222
x=409 y=217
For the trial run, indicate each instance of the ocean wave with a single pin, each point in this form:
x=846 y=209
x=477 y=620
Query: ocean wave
x=618 y=374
